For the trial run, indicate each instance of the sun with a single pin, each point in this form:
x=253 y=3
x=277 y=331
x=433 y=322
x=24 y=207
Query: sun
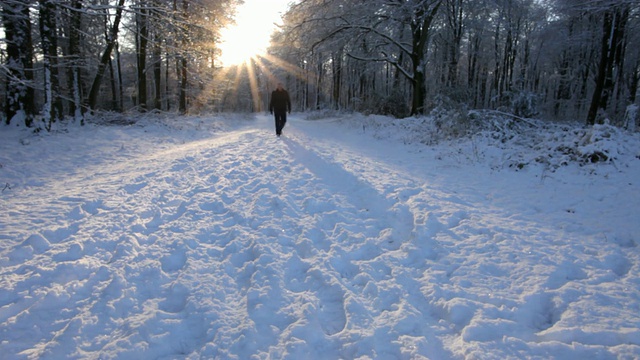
x=240 y=43
x=250 y=35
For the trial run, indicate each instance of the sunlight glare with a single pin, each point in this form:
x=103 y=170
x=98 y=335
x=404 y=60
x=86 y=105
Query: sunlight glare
x=251 y=34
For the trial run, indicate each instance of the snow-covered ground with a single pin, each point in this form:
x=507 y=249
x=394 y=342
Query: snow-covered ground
x=348 y=238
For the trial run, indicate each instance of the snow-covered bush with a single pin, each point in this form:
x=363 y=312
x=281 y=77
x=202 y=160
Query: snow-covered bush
x=592 y=144
x=557 y=145
x=520 y=103
x=111 y=118
x=393 y=105
x=453 y=123
x=524 y=104
x=451 y=118
x=323 y=114
x=504 y=141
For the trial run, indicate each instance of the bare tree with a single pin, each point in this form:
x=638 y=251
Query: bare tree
x=106 y=56
x=75 y=59
x=19 y=101
x=142 y=39
x=52 y=109
x=369 y=32
x=610 y=66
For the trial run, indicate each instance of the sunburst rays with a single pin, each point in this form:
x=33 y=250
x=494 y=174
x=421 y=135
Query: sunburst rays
x=261 y=73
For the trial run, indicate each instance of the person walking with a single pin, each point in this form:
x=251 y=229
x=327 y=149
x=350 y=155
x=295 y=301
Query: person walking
x=279 y=105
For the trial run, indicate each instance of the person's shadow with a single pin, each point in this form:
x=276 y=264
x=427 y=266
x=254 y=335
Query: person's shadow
x=340 y=181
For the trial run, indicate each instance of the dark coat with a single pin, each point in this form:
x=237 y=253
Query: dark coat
x=280 y=102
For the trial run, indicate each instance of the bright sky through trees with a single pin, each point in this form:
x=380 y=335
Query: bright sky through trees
x=251 y=33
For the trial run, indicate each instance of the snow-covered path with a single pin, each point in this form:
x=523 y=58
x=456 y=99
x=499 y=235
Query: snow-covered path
x=322 y=244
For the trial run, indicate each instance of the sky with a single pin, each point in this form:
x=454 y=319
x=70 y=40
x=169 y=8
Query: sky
x=251 y=33
x=349 y=237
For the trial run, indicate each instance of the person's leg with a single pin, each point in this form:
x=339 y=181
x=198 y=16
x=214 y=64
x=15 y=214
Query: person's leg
x=278 y=118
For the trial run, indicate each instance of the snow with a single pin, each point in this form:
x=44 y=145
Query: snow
x=350 y=237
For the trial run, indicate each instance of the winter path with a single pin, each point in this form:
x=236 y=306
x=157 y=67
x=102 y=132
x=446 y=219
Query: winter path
x=208 y=240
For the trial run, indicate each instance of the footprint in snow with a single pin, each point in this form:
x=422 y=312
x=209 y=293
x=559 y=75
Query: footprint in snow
x=216 y=207
x=35 y=244
x=181 y=165
x=295 y=274
x=618 y=263
x=74 y=252
x=20 y=254
x=77 y=213
x=176 y=300
x=134 y=188
x=60 y=234
x=456 y=218
x=38 y=243
x=174 y=261
x=331 y=311
x=330 y=308
x=92 y=207
x=564 y=273
x=540 y=311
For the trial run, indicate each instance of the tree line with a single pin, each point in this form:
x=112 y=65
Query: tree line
x=70 y=57
x=558 y=59
x=561 y=59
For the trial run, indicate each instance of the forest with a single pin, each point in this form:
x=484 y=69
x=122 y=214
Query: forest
x=559 y=60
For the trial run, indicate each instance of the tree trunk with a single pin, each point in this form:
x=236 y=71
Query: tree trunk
x=182 y=65
x=142 y=38
x=113 y=83
x=319 y=78
x=75 y=57
x=473 y=66
x=619 y=48
x=104 y=59
x=563 y=92
x=52 y=108
x=420 y=27
x=156 y=54
x=633 y=83
x=120 y=85
x=337 y=78
x=157 y=72
x=497 y=70
x=112 y=71
x=167 y=88
x=157 y=78
x=612 y=37
x=455 y=21
x=182 y=72
x=19 y=62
